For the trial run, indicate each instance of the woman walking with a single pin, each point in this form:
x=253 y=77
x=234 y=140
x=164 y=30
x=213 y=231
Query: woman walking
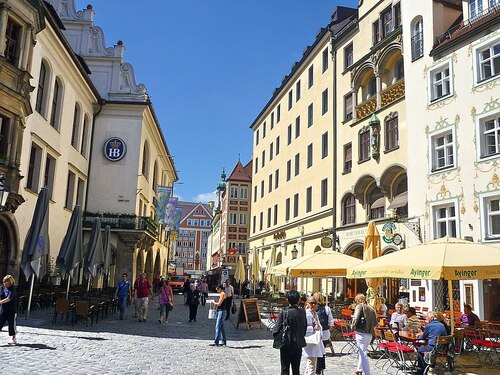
x=204 y=292
x=363 y=322
x=166 y=300
x=312 y=351
x=220 y=332
x=8 y=303
x=325 y=318
x=193 y=302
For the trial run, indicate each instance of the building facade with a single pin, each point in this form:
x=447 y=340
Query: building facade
x=453 y=68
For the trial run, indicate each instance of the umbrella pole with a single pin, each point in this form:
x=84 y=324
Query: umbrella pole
x=452 y=317
x=67 y=287
x=31 y=294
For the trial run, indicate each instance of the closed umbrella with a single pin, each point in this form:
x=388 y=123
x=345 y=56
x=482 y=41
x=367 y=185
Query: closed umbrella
x=372 y=249
x=239 y=273
x=36 y=245
x=106 y=244
x=255 y=274
x=71 y=252
x=271 y=262
x=94 y=258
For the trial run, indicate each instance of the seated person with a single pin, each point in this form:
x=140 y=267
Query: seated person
x=433 y=329
x=411 y=315
x=383 y=307
x=468 y=318
x=398 y=318
x=442 y=319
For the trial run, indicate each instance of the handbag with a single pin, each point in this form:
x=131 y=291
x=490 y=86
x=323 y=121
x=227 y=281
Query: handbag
x=233 y=308
x=282 y=337
x=362 y=320
x=314 y=339
x=170 y=306
x=212 y=312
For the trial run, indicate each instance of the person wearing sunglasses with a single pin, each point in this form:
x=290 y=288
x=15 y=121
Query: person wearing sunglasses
x=312 y=351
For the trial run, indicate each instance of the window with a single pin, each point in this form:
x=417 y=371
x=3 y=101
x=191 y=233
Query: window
x=257 y=137
x=243 y=219
x=42 y=81
x=276 y=178
x=310 y=115
x=475 y=8
x=263 y=158
x=309 y=155
x=12 y=41
x=271 y=151
x=297 y=165
x=70 y=190
x=391 y=133
x=324 y=145
x=296 y=205
x=309 y=199
x=387 y=22
x=33 y=178
x=324 y=192
x=397 y=15
x=288 y=170
x=491 y=210
x=445 y=220
x=269 y=217
x=349 y=210
x=289 y=134
x=297 y=91
x=262 y=189
x=232 y=218
x=270 y=183
x=277 y=145
x=417 y=40
x=287 y=209
x=48 y=178
x=261 y=221
x=56 y=105
x=310 y=76
x=440 y=82
x=275 y=214
x=297 y=127
x=145 y=161
x=348 y=56
x=234 y=192
x=348 y=107
x=443 y=151
x=324 y=102
x=372 y=87
x=347 y=158
x=85 y=130
x=278 y=113
x=488 y=61
x=80 y=189
x=264 y=130
x=490 y=137
x=290 y=99
x=325 y=59
x=254 y=223
x=4 y=139
x=364 y=145
x=376 y=202
x=375 y=32
x=76 y=127
x=256 y=164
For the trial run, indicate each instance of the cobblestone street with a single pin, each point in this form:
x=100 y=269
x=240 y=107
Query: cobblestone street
x=113 y=346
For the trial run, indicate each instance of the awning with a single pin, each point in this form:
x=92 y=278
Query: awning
x=378 y=203
x=400 y=200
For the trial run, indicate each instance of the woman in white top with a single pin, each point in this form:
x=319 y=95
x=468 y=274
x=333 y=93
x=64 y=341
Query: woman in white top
x=325 y=318
x=312 y=352
x=383 y=307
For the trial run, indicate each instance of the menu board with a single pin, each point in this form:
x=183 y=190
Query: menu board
x=249 y=313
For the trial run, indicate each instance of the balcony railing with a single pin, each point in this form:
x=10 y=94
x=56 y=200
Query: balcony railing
x=366 y=108
x=392 y=93
x=119 y=221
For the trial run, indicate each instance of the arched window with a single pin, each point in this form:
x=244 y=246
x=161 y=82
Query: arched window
x=155 y=177
x=85 y=135
x=376 y=204
x=349 y=209
x=56 y=104
x=417 y=39
x=75 y=135
x=145 y=160
x=42 y=84
x=400 y=197
x=399 y=69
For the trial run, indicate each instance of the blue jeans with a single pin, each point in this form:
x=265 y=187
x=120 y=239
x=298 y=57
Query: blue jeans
x=219 y=327
x=122 y=304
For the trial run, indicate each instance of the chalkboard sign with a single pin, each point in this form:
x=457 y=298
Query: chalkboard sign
x=249 y=313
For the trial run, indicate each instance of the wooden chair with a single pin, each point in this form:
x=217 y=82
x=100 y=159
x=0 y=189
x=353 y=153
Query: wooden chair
x=62 y=307
x=85 y=311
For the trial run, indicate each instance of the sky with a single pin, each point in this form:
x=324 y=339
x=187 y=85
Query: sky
x=210 y=67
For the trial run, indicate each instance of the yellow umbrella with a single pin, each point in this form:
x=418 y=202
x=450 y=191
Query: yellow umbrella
x=255 y=266
x=324 y=263
x=448 y=258
x=239 y=273
x=270 y=264
x=372 y=250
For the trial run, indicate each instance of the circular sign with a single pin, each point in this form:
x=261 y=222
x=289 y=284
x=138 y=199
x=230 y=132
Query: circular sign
x=388 y=231
x=397 y=239
x=115 y=149
x=326 y=242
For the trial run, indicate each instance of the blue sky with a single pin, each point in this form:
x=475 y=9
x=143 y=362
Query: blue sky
x=210 y=66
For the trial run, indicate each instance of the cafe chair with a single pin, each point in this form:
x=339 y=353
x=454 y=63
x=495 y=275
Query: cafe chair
x=442 y=356
x=383 y=347
x=85 y=311
x=404 y=356
x=62 y=307
x=348 y=336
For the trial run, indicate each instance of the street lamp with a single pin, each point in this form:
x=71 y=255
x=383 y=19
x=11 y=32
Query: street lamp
x=295 y=252
x=4 y=194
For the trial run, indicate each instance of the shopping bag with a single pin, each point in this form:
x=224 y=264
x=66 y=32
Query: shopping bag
x=313 y=339
x=212 y=312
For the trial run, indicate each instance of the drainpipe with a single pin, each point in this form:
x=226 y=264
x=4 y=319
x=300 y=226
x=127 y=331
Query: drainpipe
x=335 y=156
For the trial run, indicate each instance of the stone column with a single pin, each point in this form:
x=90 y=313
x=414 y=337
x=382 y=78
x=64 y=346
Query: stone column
x=378 y=86
x=13 y=141
x=3 y=27
x=354 y=102
x=25 y=52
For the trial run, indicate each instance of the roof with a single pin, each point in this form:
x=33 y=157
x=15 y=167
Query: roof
x=239 y=173
x=188 y=207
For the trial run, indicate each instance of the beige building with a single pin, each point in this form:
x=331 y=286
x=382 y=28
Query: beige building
x=453 y=74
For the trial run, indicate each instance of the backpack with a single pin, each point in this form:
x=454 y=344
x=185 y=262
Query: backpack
x=323 y=317
x=283 y=335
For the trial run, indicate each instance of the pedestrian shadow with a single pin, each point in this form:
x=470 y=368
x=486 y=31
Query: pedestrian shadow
x=90 y=338
x=247 y=347
x=34 y=346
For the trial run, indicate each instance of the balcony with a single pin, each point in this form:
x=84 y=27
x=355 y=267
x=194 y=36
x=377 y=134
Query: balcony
x=366 y=108
x=392 y=93
x=123 y=222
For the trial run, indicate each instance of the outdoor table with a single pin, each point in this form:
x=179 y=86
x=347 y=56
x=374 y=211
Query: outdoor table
x=410 y=337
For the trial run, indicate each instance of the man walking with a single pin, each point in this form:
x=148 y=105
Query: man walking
x=186 y=289
x=123 y=293
x=229 y=290
x=142 y=291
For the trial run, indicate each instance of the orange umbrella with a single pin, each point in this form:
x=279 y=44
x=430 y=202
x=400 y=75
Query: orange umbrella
x=372 y=250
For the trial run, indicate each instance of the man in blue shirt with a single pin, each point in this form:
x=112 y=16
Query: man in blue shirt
x=433 y=329
x=122 y=292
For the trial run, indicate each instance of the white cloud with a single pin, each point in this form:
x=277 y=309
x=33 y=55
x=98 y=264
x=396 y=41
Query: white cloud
x=205 y=197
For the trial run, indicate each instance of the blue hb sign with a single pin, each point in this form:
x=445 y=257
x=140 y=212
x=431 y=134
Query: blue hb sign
x=115 y=149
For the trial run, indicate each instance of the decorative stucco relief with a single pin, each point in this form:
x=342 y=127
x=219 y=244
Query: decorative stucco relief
x=97 y=45
x=66 y=9
x=490 y=164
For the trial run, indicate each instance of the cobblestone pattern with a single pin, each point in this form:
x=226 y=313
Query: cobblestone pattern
x=113 y=346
